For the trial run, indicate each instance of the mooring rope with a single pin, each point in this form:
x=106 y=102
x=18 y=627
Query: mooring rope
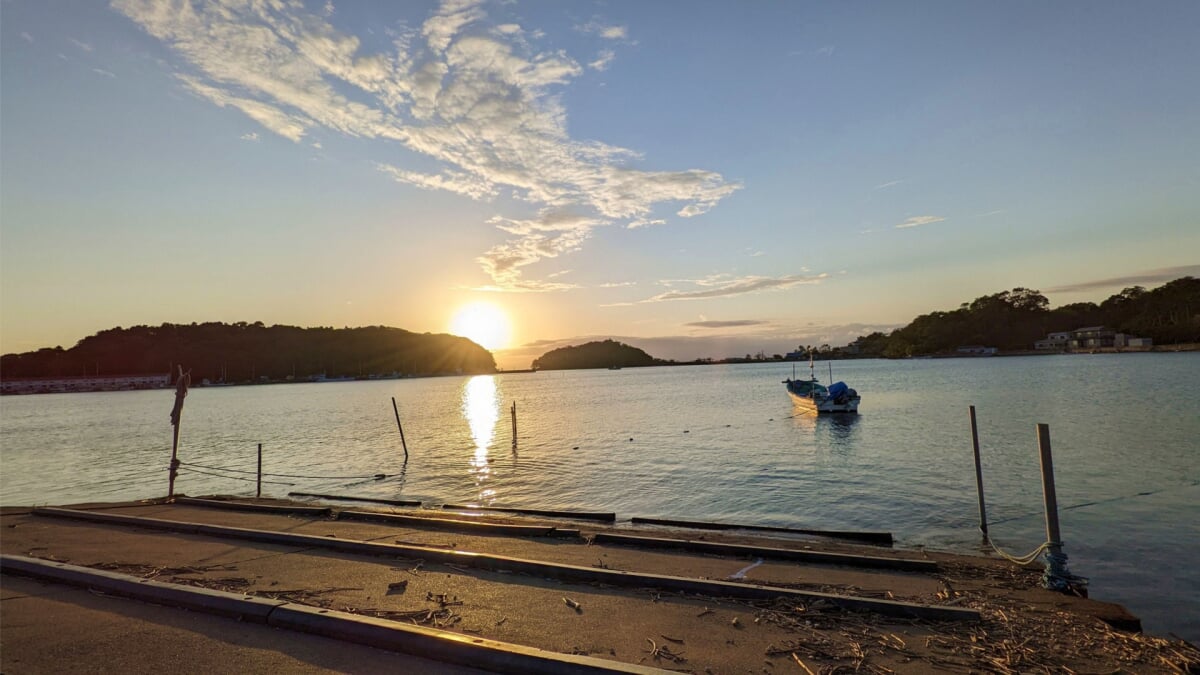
x=1144 y=493
x=376 y=476
x=250 y=480
x=1024 y=560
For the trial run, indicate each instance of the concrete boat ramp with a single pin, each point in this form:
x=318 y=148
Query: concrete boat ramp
x=245 y=585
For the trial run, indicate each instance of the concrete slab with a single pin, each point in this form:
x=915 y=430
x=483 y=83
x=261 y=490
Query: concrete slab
x=59 y=630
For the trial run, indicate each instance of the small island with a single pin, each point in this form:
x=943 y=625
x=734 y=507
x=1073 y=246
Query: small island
x=602 y=354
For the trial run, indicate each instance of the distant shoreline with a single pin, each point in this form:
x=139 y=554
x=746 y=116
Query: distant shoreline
x=1157 y=349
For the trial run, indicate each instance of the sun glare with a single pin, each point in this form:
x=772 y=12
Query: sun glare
x=482 y=322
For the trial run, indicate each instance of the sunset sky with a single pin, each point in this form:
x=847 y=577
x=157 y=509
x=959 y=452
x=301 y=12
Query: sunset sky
x=694 y=178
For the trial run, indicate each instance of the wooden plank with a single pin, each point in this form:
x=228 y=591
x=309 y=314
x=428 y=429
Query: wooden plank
x=819 y=557
x=880 y=538
x=472 y=526
x=578 y=515
x=347 y=498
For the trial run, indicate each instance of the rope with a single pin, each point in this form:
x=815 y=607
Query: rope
x=376 y=476
x=249 y=480
x=1145 y=493
x=1025 y=560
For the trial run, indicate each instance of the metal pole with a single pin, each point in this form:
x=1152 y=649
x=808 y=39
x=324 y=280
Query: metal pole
x=978 y=475
x=259 y=493
x=514 y=424
x=1053 y=535
x=1056 y=575
x=401 y=428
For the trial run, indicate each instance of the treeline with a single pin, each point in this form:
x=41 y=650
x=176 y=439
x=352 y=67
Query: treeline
x=605 y=354
x=242 y=352
x=1014 y=320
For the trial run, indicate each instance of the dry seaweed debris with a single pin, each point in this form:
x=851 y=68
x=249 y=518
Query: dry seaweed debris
x=663 y=652
x=1007 y=639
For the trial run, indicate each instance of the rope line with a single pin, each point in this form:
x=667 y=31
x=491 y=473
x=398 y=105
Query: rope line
x=1024 y=560
x=1145 y=493
x=375 y=476
x=250 y=480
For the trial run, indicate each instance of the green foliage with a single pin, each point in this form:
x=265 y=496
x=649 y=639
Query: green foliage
x=606 y=354
x=1014 y=320
x=245 y=351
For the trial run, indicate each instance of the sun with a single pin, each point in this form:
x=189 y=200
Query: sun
x=484 y=323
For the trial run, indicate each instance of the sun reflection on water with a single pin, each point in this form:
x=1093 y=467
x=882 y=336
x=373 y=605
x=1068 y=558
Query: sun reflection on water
x=481 y=407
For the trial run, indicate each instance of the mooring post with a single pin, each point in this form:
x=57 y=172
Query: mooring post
x=181 y=390
x=259 y=492
x=978 y=475
x=1056 y=576
x=401 y=428
x=514 y=422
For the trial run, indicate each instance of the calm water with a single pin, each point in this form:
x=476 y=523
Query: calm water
x=713 y=442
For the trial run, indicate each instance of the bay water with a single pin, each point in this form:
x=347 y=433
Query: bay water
x=716 y=442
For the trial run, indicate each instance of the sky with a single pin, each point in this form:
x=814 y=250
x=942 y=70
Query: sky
x=700 y=179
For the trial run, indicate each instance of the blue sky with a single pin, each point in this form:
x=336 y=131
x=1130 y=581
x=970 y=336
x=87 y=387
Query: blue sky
x=700 y=179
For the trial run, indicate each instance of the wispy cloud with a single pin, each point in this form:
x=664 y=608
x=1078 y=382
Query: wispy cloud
x=481 y=101
x=990 y=213
x=722 y=286
x=1156 y=276
x=827 y=50
x=81 y=44
x=104 y=73
x=736 y=323
x=252 y=136
x=917 y=221
x=27 y=37
x=888 y=184
x=618 y=284
x=602 y=60
x=606 y=31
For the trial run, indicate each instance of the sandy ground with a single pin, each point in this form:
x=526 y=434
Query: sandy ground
x=1022 y=628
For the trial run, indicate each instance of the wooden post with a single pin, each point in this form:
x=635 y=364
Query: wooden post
x=181 y=390
x=514 y=424
x=978 y=475
x=259 y=492
x=401 y=428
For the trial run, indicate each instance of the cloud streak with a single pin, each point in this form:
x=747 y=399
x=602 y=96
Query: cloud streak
x=736 y=323
x=724 y=286
x=1157 y=276
x=479 y=100
x=917 y=221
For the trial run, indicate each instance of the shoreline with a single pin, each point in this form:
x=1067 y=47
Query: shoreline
x=1157 y=349
x=626 y=605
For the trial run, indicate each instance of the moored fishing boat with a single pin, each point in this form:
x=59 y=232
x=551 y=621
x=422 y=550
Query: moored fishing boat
x=811 y=394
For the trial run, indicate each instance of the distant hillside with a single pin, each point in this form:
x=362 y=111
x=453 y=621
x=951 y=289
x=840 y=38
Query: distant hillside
x=244 y=352
x=604 y=354
x=1013 y=320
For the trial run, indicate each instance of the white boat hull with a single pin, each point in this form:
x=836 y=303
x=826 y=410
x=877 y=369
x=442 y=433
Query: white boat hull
x=827 y=405
x=812 y=396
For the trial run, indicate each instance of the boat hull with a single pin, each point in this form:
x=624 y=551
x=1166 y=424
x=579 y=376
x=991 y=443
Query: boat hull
x=804 y=395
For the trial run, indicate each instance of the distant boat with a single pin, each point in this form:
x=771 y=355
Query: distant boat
x=814 y=396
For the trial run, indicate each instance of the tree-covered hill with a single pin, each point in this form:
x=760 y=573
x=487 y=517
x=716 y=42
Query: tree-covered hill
x=1014 y=320
x=606 y=354
x=245 y=351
